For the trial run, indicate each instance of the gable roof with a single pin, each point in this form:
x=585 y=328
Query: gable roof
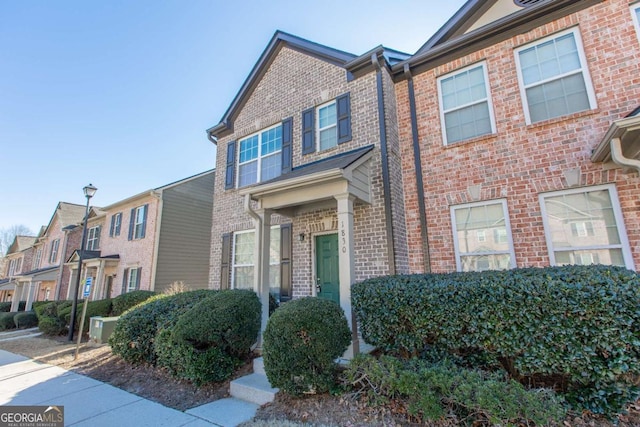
x=68 y=214
x=452 y=40
x=279 y=39
x=20 y=243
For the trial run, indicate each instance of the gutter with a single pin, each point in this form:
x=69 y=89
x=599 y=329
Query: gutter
x=422 y=210
x=619 y=158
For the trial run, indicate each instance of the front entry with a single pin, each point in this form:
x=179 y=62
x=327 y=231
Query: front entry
x=327 y=267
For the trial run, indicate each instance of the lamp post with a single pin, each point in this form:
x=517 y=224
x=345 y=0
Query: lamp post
x=89 y=191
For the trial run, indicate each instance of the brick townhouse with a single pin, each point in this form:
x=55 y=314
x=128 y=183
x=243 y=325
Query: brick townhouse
x=309 y=185
x=519 y=133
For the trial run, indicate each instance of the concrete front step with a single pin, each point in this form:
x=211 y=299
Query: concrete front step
x=254 y=388
x=258 y=366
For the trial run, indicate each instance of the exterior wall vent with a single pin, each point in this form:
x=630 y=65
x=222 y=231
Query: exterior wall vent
x=527 y=3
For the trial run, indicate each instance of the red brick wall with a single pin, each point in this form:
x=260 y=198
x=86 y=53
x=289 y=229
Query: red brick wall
x=520 y=161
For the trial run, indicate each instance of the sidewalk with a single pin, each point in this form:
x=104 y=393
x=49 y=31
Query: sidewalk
x=88 y=402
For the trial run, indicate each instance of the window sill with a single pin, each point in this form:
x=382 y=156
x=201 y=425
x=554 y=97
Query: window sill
x=474 y=140
x=555 y=120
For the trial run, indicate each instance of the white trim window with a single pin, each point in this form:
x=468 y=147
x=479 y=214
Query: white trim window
x=489 y=219
x=140 y=219
x=584 y=226
x=553 y=76
x=53 y=254
x=243 y=258
x=133 y=278
x=15 y=266
x=466 y=110
x=93 y=238
x=260 y=156
x=635 y=15
x=37 y=259
x=327 y=129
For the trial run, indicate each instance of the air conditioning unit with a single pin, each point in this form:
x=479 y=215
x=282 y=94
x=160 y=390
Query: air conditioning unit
x=101 y=328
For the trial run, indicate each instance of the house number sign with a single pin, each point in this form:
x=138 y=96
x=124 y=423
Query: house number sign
x=343 y=238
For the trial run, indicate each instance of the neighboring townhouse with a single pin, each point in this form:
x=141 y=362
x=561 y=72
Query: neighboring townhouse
x=310 y=193
x=520 y=137
x=18 y=259
x=149 y=241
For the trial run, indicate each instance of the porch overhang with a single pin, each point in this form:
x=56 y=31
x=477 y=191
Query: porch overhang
x=42 y=275
x=7 y=285
x=316 y=185
x=621 y=144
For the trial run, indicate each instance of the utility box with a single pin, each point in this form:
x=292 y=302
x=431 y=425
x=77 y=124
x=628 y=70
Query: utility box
x=101 y=328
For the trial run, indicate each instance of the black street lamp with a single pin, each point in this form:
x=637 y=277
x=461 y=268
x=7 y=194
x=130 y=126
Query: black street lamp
x=89 y=191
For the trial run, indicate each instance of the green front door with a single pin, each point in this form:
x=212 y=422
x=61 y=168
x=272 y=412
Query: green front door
x=327 y=273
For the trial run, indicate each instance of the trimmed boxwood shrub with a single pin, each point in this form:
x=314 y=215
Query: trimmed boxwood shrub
x=51 y=325
x=577 y=327
x=301 y=342
x=5 y=306
x=6 y=320
x=94 y=308
x=135 y=332
x=229 y=319
x=183 y=360
x=25 y=319
x=209 y=340
x=37 y=305
x=124 y=302
x=431 y=392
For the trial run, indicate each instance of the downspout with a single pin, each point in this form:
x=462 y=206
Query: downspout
x=156 y=242
x=618 y=157
x=418 y=167
x=386 y=185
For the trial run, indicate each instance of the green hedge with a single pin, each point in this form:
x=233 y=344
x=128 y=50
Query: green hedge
x=135 y=332
x=25 y=319
x=37 y=306
x=302 y=340
x=6 y=320
x=94 y=308
x=431 y=392
x=578 y=325
x=124 y=302
x=5 y=306
x=48 y=320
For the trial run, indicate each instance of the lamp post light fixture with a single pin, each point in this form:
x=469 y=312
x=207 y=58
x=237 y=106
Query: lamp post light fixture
x=89 y=191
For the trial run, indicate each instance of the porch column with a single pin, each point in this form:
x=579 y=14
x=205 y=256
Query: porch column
x=347 y=265
x=30 y=294
x=17 y=295
x=261 y=269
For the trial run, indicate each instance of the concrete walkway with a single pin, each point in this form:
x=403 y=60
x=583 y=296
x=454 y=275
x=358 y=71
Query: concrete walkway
x=88 y=402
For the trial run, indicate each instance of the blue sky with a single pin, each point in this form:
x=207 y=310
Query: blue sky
x=119 y=93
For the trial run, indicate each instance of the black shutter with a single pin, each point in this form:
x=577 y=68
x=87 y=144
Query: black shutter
x=285 y=262
x=145 y=209
x=287 y=149
x=343 y=111
x=124 y=280
x=308 y=131
x=229 y=180
x=225 y=261
x=132 y=221
x=112 y=227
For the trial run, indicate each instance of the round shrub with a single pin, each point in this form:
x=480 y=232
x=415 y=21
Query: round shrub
x=37 y=305
x=25 y=319
x=6 y=320
x=51 y=325
x=229 y=320
x=575 y=327
x=135 y=332
x=183 y=360
x=124 y=302
x=301 y=342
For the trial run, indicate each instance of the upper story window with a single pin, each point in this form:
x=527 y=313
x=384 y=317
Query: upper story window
x=553 y=75
x=53 y=253
x=116 y=225
x=93 y=238
x=584 y=226
x=465 y=104
x=138 y=222
x=482 y=236
x=260 y=158
x=37 y=259
x=326 y=125
x=15 y=266
x=635 y=15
